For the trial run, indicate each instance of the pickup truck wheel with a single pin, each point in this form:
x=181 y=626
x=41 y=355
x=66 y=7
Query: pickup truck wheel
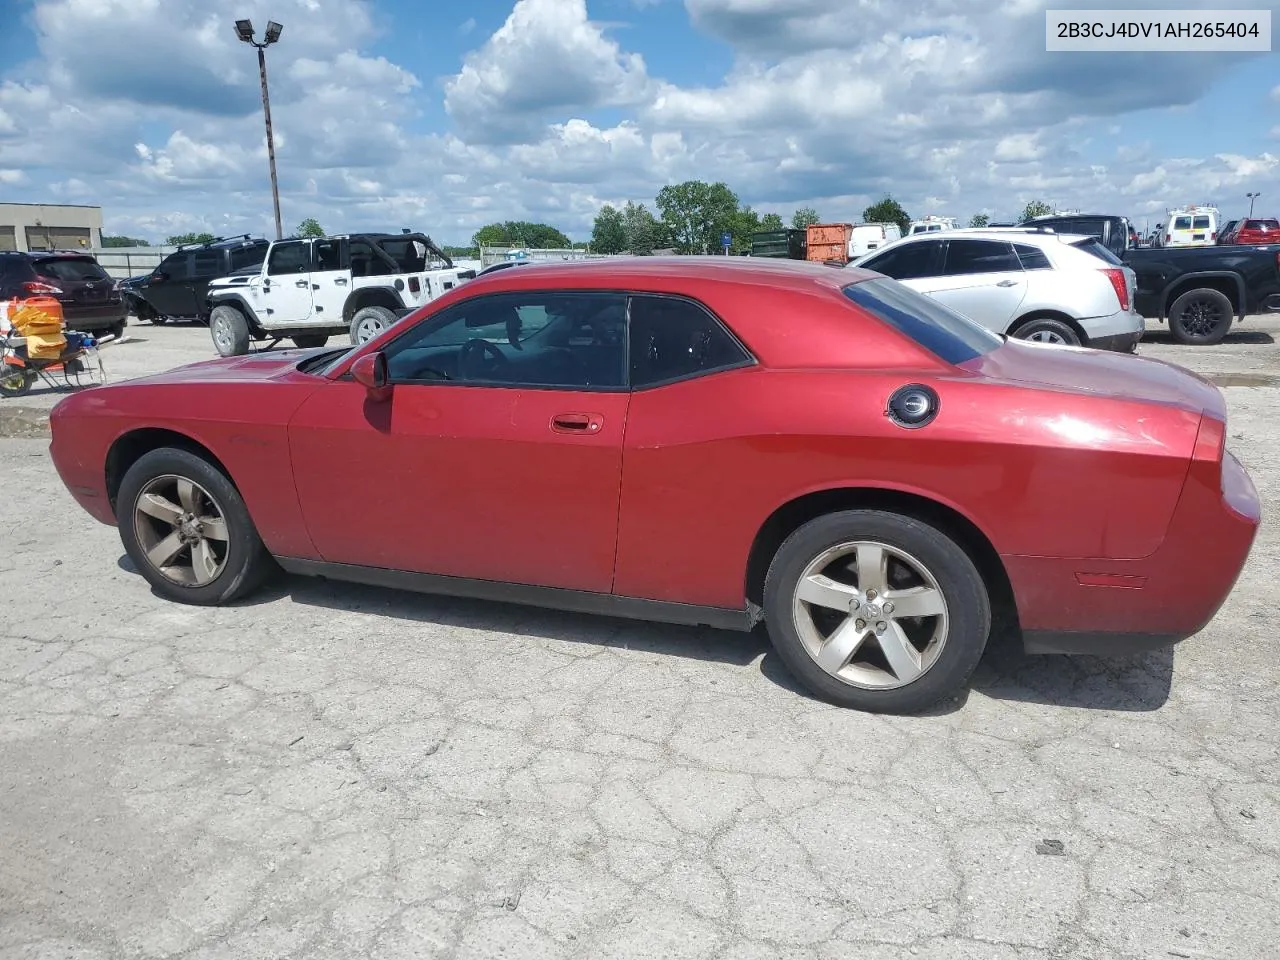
x=1201 y=317
x=369 y=322
x=230 y=331
x=1048 y=330
x=310 y=341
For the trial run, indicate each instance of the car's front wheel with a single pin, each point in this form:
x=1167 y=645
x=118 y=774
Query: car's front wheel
x=230 y=331
x=187 y=530
x=369 y=322
x=877 y=611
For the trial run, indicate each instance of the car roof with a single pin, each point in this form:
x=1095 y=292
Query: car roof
x=1021 y=234
x=651 y=271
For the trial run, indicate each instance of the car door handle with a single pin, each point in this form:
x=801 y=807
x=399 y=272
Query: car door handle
x=340 y=281
x=315 y=286
x=577 y=422
x=301 y=283
x=1007 y=283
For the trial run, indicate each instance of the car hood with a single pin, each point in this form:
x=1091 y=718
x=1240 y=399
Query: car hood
x=257 y=366
x=1120 y=376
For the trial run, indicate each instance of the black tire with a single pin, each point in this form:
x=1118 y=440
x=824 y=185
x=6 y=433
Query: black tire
x=117 y=331
x=229 y=330
x=247 y=564
x=1047 y=330
x=15 y=381
x=968 y=608
x=1201 y=317
x=310 y=341
x=367 y=318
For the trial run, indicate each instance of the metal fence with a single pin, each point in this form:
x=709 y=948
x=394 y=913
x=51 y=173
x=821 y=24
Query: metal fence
x=121 y=262
x=491 y=255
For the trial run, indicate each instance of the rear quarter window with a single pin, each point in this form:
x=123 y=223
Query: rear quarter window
x=1099 y=250
x=941 y=331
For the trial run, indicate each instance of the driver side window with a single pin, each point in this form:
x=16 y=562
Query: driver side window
x=565 y=340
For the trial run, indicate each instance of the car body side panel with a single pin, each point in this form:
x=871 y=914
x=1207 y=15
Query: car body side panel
x=707 y=461
x=241 y=421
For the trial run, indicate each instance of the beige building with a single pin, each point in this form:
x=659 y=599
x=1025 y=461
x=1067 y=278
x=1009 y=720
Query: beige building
x=49 y=226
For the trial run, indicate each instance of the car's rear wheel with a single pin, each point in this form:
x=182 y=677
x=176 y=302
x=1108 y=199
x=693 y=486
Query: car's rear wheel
x=310 y=341
x=369 y=322
x=187 y=530
x=1201 y=317
x=230 y=331
x=876 y=611
x=1047 y=330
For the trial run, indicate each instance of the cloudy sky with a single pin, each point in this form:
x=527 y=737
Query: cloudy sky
x=444 y=115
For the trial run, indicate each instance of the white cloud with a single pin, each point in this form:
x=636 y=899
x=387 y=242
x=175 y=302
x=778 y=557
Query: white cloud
x=547 y=56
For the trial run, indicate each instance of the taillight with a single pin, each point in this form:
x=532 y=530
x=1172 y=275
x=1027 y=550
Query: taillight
x=1214 y=235
x=36 y=288
x=1168 y=238
x=1121 y=286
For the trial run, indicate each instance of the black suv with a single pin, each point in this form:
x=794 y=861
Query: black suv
x=91 y=299
x=178 y=288
x=1116 y=233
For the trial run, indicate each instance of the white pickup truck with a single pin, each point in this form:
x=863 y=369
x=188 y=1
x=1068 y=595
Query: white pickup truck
x=308 y=290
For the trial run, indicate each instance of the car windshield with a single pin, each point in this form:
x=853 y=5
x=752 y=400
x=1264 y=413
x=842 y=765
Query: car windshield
x=70 y=268
x=942 y=331
x=1099 y=250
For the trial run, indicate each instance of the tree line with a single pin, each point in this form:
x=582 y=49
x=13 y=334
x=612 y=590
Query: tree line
x=690 y=217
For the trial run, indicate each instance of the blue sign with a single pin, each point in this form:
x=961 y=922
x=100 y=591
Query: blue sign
x=726 y=239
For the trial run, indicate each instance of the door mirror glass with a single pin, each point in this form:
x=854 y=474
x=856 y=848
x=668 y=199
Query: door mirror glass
x=370 y=371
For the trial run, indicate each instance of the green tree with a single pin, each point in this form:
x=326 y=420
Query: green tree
x=1036 y=208
x=771 y=221
x=643 y=230
x=520 y=233
x=609 y=233
x=182 y=239
x=123 y=241
x=309 y=227
x=745 y=223
x=465 y=253
x=979 y=220
x=695 y=213
x=887 y=210
x=804 y=217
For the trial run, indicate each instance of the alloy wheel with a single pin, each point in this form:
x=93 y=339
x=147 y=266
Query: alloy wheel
x=1201 y=317
x=1048 y=336
x=870 y=615
x=222 y=336
x=368 y=328
x=182 y=530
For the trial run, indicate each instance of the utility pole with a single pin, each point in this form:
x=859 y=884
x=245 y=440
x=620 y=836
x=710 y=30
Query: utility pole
x=244 y=30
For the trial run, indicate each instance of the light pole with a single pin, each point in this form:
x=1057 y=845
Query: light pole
x=244 y=30
x=1252 y=197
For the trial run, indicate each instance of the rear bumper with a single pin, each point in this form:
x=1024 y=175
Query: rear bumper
x=1116 y=331
x=97 y=317
x=1118 y=342
x=1075 y=605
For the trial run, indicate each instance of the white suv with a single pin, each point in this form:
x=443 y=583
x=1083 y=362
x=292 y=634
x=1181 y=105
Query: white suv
x=1029 y=283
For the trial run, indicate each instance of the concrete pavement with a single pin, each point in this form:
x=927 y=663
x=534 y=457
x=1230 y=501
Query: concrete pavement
x=335 y=771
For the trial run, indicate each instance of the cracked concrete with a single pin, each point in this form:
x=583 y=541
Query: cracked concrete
x=335 y=771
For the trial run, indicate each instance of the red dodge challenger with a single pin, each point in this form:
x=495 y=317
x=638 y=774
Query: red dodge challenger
x=696 y=440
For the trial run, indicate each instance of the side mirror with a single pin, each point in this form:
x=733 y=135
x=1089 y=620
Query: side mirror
x=370 y=371
x=159 y=276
